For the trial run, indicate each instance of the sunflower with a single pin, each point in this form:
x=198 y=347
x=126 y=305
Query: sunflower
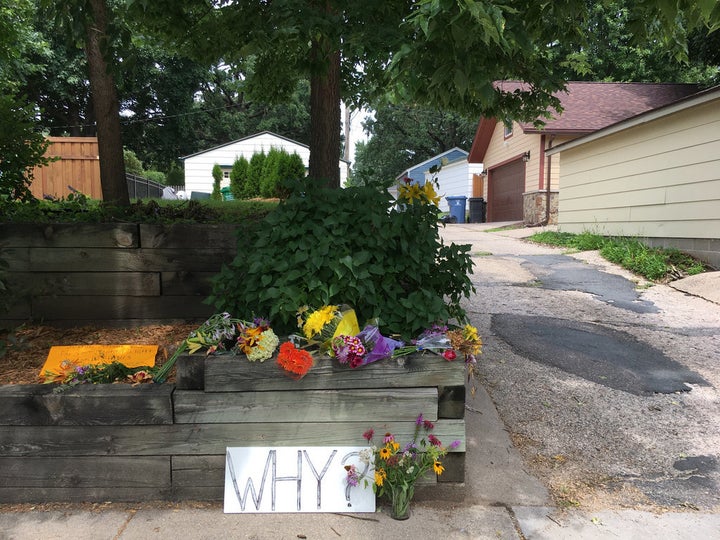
x=384 y=452
x=437 y=467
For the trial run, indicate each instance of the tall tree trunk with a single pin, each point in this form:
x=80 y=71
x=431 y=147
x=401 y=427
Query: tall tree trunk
x=325 y=113
x=107 y=108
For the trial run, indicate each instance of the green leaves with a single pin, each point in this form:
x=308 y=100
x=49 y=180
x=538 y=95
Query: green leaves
x=348 y=246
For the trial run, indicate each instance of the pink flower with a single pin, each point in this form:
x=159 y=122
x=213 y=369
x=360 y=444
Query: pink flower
x=432 y=439
x=368 y=435
x=449 y=355
x=428 y=425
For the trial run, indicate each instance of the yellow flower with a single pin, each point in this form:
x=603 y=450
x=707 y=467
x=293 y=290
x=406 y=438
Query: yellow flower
x=430 y=194
x=437 y=467
x=395 y=446
x=318 y=319
x=384 y=452
x=380 y=476
x=409 y=192
x=471 y=332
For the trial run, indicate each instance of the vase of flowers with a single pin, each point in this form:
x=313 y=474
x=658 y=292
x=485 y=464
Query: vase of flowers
x=400 y=497
x=397 y=468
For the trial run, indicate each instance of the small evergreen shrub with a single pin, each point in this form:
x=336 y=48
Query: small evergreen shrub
x=217 y=175
x=271 y=168
x=333 y=246
x=238 y=177
x=255 y=170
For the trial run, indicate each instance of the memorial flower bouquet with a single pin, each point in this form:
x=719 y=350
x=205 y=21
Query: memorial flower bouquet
x=254 y=338
x=366 y=347
x=321 y=325
x=398 y=467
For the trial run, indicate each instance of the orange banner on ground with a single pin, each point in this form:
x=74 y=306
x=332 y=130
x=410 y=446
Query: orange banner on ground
x=85 y=355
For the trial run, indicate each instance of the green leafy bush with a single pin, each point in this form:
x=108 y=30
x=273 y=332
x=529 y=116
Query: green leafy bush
x=21 y=148
x=133 y=165
x=156 y=176
x=333 y=246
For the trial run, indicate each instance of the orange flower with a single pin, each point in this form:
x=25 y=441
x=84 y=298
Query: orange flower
x=296 y=362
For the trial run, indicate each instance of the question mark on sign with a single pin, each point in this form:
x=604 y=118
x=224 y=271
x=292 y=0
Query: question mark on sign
x=362 y=475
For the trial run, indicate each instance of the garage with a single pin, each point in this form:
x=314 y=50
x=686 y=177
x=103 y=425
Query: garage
x=505 y=189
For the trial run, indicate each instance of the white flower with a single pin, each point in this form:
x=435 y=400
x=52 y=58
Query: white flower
x=266 y=345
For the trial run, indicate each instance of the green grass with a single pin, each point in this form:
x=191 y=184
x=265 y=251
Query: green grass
x=655 y=264
x=505 y=228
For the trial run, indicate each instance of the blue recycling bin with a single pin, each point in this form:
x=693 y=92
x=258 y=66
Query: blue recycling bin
x=457 y=207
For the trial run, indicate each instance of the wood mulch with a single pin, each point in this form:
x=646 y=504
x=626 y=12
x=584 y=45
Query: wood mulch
x=26 y=348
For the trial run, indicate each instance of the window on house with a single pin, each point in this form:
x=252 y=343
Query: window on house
x=508 y=129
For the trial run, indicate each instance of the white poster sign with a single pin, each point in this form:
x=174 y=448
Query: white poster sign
x=290 y=479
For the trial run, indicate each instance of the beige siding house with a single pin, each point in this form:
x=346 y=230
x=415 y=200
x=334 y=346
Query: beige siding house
x=655 y=175
x=522 y=181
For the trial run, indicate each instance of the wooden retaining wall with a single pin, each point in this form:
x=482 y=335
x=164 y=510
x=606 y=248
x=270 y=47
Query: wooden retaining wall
x=112 y=274
x=167 y=442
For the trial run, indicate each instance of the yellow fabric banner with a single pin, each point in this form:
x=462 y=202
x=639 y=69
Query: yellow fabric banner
x=84 y=355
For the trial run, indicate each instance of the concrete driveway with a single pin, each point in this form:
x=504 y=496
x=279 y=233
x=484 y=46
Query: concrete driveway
x=606 y=384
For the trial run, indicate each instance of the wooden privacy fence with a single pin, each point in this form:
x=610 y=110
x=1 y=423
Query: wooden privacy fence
x=78 y=166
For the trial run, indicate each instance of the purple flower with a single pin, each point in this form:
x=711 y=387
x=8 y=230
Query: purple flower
x=454 y=444
x=352 y=475
x=419 y=420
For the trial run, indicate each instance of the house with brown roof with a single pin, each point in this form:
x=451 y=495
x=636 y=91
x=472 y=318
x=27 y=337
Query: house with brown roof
x=655 y=176
x=521 y=182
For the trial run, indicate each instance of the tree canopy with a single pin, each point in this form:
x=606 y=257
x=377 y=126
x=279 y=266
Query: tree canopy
x=440 y=53
x=401 y=136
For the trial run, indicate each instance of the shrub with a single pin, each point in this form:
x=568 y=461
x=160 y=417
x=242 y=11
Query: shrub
x=133 y=165
x=156 y=176
x=175 y=176
x=271 y=168
x=217 y=175
x=255 y=169
x=333 y=246
x=21 y=148
x=290 y=173
x=238 y=177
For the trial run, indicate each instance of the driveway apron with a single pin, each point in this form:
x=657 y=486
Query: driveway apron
x=604 y=381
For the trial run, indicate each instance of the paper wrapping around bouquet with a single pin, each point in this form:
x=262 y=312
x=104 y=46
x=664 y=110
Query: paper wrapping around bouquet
x=85 y=355
x=348 y=325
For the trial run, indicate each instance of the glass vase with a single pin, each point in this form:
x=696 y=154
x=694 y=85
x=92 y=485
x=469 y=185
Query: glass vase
x=400 y=498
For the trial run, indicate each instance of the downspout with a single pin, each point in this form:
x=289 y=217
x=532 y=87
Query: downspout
x=549 y=182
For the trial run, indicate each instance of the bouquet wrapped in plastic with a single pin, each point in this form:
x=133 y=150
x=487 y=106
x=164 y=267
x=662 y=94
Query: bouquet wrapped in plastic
x=364 y=348
x=320 y=326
